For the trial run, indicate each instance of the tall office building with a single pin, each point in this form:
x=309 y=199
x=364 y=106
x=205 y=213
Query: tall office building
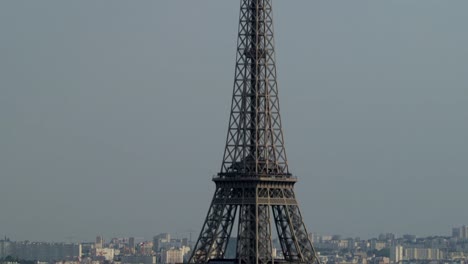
x=131 y=245
x=160 y=240
x=99 y=242
x=5 y=248
x=460 y=232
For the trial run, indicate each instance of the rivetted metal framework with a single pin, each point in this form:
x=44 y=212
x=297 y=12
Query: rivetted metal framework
x=254 y=183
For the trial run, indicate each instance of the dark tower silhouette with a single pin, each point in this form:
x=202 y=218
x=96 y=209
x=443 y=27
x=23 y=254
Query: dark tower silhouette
x=254 y=182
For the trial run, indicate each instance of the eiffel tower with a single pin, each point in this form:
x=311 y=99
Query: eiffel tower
x=254 y=183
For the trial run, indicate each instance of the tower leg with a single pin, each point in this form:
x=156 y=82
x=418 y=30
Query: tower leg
x=254 y=242
x=302 y=237
x=292 y=232
x=216 y=230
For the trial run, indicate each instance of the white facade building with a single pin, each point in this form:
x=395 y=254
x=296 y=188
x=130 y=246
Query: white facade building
x=172 y=256
x=396 y=254
x=106 y=253
x=423 y=254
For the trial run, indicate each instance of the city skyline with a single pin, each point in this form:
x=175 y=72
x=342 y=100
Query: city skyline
x=104 y=107
x=456 y=231
x=164 y=248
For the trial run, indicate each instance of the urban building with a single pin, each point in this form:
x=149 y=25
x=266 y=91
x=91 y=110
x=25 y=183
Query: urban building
x=460 y=232
x=131 y=245
x=145 y=248
x=377 y=245
x=5 y=248
x=99 y=242
x=104 y=254
x=42 y=252
x=396 y=254
x=161 y=241
x=422 y=254
x=138 y=260
x=173 y=255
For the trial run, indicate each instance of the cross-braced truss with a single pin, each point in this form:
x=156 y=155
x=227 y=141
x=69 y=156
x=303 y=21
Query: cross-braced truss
x=254 y=184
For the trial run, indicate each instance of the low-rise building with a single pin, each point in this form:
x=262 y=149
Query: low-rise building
x=173 y=255
x=138 y=260
x=422 y=254
x=46 y=252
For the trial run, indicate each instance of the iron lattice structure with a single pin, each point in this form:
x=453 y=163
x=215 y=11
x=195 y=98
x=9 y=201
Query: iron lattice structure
x=254 y=182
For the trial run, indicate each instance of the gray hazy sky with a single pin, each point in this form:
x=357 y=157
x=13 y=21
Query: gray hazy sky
x=113 y=114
